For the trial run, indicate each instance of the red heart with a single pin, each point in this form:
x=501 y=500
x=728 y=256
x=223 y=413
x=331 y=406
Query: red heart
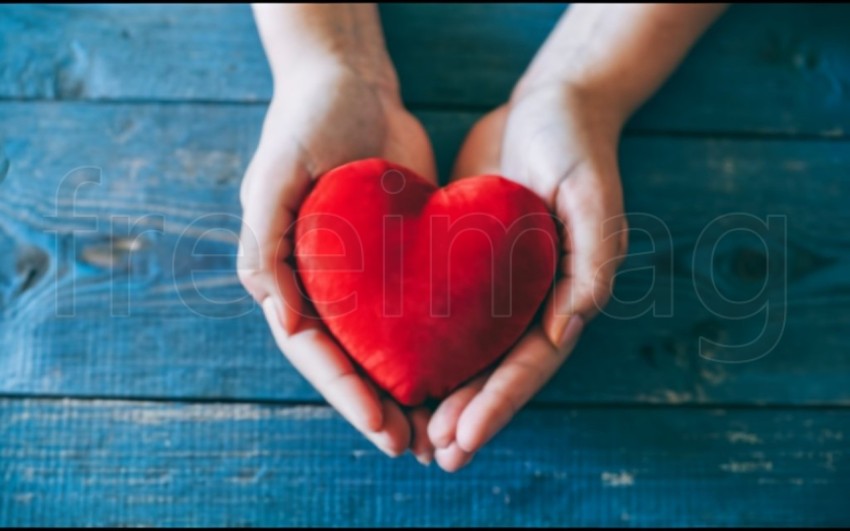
x=423 y=286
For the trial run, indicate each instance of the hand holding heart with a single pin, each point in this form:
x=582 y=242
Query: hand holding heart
x=562 y=145
x=332 y=116
x=547 y=139
x=336 y=110
x=337 y=101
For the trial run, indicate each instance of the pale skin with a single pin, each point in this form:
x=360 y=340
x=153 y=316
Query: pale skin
x=336 y=99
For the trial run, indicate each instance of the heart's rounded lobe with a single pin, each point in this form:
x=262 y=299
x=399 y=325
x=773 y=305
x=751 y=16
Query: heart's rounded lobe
x=424 y=287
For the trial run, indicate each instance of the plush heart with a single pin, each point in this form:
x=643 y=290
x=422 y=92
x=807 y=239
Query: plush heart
x=423 y=286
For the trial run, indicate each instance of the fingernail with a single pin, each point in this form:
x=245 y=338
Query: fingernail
x=559 y=326
x=388 y=452
x=456 y=458
x=440 y=439
x=572 y=329
x=425 y=459
x=270 y=306
x=443 y=442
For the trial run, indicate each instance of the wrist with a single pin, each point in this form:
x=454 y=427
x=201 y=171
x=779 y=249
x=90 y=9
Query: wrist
x=334 y=69
x=618 y=56
x=310 y=41
x=600 y=113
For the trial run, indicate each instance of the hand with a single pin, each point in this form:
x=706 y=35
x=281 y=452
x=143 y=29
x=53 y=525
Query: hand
x=326 y=114
x=561 y=144
x=558 y=135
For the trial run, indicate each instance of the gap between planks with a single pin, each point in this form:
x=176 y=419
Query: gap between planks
x=531 y=406
x=628 y=132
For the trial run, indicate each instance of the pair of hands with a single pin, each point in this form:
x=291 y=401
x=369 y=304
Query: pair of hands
x=550 y=137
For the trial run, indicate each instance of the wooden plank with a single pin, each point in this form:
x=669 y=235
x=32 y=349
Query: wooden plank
x=762 y=69
x=92 y=306
x=83 y=463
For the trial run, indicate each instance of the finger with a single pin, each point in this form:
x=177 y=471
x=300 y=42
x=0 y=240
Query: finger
x=394 y=436
x=481 y=151
x=443 y=425
x=317 y=357
x=273 y=189
x=520 y=376
x=421 y=446
x=413 y=149
x=453 y=458
x=594 y=243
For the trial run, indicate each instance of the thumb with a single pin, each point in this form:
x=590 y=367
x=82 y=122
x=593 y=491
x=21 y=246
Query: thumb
x=573 y=167
x=270 y=201
x=481 y=151
x=594 y=243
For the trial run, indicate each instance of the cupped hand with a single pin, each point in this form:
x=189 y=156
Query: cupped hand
x=561 y=144
x=326 y=116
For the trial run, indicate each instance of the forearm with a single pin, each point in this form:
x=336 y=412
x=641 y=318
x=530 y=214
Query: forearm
x=618 y=55
x=301 y=37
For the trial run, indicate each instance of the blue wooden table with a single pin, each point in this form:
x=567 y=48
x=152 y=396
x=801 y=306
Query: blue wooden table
x=139 y=384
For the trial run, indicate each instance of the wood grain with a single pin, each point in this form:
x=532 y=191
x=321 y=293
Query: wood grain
x=778 y=69
x=84 y=463
x=121 y=221
x=126 y=130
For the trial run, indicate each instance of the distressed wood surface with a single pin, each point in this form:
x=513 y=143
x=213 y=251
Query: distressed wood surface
x=122 y=222
x=125 y=132
x=763 y=69
x=153 y=464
